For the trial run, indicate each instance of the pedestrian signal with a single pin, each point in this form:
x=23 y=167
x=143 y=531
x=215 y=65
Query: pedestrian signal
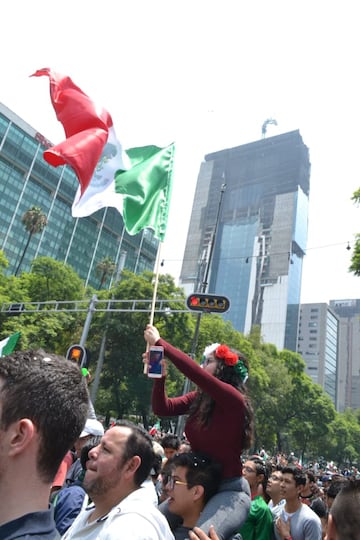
x=77 y=354
x=208 y=303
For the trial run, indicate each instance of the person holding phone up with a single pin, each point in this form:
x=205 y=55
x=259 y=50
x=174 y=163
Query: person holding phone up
x=219 y=423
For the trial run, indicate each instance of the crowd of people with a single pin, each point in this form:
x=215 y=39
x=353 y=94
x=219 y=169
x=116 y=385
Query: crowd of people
x=62 y=475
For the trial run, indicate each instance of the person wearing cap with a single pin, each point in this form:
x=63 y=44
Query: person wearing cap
x=92 y=428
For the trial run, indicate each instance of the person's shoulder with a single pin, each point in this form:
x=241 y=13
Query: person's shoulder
x=308 y=513
x=32 y=525
x=137 y=522
x=260 y=502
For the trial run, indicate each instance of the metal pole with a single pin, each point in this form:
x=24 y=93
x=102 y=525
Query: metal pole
x=100 y=362
x=89 y=315
x=181 y=419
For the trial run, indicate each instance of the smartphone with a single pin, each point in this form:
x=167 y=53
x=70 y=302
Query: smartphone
x=155 y=366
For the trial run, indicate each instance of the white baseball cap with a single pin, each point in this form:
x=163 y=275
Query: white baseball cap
x=92 y=427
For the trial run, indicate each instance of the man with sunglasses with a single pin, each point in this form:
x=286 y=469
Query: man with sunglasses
x=259 y=523
x=194 y=479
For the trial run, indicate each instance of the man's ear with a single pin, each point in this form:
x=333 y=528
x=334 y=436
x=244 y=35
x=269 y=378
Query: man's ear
x=260 y=479
x=331 y=533
x=198 y=492
x=21 y=435
x=133 y=464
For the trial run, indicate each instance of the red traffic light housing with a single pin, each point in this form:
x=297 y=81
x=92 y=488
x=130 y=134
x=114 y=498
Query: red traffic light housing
x=208 y=303
x=77 y=353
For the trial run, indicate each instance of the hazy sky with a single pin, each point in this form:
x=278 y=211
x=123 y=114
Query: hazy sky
x=207 y=74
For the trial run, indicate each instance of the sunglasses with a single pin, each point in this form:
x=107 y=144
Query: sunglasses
x=172 y=482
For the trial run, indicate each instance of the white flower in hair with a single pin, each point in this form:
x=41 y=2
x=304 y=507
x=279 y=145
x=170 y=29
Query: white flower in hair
x=210 y=349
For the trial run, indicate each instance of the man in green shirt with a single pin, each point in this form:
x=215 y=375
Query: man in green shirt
x=259 y=523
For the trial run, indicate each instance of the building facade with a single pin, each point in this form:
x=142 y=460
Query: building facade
x=26 y=180
x=250 y=236
x=348 y=312
x=318 y=340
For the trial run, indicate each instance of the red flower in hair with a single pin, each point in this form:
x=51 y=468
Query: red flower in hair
x=230 y=358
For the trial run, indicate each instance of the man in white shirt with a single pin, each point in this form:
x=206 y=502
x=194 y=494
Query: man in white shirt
x=273 y=489
x=297 y=521
x=121 y=507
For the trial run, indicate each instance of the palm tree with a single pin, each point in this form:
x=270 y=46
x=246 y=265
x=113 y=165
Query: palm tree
x=104 y=269
x=34 y=221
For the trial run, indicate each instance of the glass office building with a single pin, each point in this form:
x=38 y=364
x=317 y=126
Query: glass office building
x=318 y=341
x=250 y=236
x=26 y=180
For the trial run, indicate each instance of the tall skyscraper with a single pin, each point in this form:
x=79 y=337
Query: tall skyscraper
x=26 y=180
x=348 y=388
x=318 y=345
x=255 y=232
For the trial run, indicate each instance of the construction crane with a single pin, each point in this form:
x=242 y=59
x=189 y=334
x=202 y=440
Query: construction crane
x=265 y=125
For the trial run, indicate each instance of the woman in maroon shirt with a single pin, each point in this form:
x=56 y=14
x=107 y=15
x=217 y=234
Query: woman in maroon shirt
x=219 y=423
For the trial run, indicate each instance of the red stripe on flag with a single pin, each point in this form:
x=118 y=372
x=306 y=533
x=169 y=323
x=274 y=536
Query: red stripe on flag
x=86 y=127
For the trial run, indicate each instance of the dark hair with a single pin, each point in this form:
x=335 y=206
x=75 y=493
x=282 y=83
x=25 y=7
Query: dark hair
x=203 y=404
x=139 y=443
x=311 y=476
x=335 y=487
x=264 y=468
x=319 y=507
x=170 y=441
x=260 y=465
x=156 y=466
x=52 y=393
x=298 y=474
x=345 y=511
x=89 y=445
x=201 y=470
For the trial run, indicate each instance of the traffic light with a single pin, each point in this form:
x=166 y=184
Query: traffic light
x=77 y=353
x=208 y=302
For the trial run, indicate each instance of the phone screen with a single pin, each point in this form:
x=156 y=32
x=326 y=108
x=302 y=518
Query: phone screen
x=155 y=367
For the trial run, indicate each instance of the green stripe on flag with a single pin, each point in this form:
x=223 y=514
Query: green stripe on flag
x=146 y=188
x=8 y=344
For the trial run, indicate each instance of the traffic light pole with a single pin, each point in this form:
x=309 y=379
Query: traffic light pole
x=88 y=320
x=181 y=419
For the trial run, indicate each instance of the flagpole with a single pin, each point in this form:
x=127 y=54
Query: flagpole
x=157 y=271
x=153 y=302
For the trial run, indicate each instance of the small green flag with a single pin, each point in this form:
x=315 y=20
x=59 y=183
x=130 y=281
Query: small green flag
x=8 y=344
x=146 y=188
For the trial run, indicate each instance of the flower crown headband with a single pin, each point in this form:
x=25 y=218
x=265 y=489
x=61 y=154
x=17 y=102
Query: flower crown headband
x=229 y=357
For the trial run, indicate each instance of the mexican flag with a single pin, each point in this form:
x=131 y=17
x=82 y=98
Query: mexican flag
x=137 y=182
x=8 y=344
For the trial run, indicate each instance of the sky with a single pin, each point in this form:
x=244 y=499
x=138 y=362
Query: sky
x=206 y=75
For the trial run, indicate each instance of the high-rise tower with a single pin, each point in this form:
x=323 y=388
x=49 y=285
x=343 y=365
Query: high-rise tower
x=261 y=233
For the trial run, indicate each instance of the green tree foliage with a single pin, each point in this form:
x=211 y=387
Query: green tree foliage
x=125 y=389
x=291 y=413
x=355 y=259
x=48 y=280
x=53 y=280
x=341 y=444
x=4 y=263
